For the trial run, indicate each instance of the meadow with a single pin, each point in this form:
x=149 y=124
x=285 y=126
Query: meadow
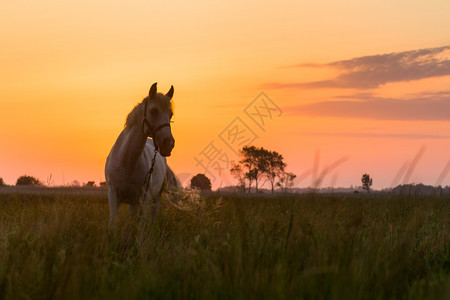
x=57 y=245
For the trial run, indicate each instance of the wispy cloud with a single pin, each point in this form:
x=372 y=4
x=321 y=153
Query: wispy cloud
x=406 y=136
x=425 y=106
x=370 y=72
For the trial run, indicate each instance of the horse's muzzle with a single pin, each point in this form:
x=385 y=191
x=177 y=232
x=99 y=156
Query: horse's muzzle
x=167 y=146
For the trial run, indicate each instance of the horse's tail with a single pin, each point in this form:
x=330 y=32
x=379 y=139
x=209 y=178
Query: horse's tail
x=171 y=181
x=178 y=197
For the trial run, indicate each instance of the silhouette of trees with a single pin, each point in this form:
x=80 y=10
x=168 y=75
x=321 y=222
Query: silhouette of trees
x=258 y=163
x=366 y=182
x=2 y=183
x=238 y=173
x=254 y=164
x=201 y=181
x=274 y=167
x=28 y=180
x=286 y=181
x=75 y=183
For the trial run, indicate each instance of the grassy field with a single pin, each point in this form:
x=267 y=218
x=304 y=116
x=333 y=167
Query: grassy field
x=57 y=245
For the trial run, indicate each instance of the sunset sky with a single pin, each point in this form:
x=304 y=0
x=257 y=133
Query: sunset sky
x=355 y=86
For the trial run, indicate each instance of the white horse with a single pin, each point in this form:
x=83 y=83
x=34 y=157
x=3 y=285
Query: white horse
x=136 y=167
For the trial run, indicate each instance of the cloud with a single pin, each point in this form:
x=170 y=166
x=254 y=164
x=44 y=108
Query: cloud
x=379 y=135
x=424 y=106
x=370 y=72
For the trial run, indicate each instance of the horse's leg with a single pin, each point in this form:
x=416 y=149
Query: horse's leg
x=151 y=205
x=146 y=204
x=113 y=200
x=155 y=205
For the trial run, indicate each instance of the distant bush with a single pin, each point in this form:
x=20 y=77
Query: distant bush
x=28 y=180
x=75 y=183
x=2 y=183
x=201 y=181
x=366 y=182
x=90 y=183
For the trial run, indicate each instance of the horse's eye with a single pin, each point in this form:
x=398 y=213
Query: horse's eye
x=154 y=111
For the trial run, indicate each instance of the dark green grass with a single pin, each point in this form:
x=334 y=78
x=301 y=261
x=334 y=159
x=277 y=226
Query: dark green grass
x=310 y=246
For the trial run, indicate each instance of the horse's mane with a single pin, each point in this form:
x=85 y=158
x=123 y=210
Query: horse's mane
x=160 y=100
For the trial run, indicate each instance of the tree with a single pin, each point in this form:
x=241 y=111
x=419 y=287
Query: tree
x=238 y=173
x=2 y=183
x=249 y=163
x=28 y=180
x=201 y=181
x=286 y=181
x=274 y=167
x=366 y=182
x=257 y=163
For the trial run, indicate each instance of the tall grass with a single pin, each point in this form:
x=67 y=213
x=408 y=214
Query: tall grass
x=310 y=246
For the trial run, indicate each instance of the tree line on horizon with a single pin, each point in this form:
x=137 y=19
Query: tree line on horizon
x=255 y=165
x=24 y=180
x=27 y=180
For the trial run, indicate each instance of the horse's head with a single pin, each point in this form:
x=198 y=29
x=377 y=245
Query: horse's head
x=158 y=112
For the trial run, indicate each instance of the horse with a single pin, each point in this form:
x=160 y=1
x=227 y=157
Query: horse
x=136 y=168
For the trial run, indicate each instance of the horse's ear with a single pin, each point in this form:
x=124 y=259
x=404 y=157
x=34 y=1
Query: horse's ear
x=152 y=92
x=170 y=93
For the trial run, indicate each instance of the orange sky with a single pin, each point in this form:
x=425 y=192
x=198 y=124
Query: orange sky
x=365 y=80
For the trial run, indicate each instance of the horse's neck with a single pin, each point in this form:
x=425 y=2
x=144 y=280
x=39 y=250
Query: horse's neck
x=132 y=145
